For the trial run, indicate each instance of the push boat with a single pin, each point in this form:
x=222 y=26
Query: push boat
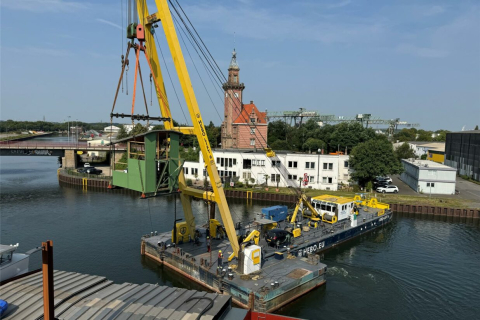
x=268 y=275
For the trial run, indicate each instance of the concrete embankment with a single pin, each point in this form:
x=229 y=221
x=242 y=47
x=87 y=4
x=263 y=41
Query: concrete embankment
x=81 y=180
x=422 y=210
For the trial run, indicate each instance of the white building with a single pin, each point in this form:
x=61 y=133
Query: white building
x=323 y=171
x=129 y=127
x=111 y=129
x=428 y=177
x=421 y=147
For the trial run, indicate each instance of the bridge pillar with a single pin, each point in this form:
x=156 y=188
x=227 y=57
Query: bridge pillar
x=70 y=160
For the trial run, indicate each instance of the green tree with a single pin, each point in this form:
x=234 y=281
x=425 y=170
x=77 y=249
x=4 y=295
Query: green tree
x=404 y=152
x=372 y=158
x=281 y=145
x=423 y=135
x=122 y=133
x=138 y=129
x=213 y=134
x=406 y=135
x=476 y=127
x=313 y=144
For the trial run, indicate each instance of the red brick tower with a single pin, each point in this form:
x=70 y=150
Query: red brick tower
x=233 y=102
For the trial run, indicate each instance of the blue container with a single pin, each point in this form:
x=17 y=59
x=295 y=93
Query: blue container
x=3 y=307
x=275 y=213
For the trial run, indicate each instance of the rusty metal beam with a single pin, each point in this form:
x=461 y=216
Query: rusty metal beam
x=47 y=269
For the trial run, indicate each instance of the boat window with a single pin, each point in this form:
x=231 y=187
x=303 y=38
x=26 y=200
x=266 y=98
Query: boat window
x=329 y=208
x=323 y=207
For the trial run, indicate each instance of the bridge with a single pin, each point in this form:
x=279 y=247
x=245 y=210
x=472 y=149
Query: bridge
x=68 y=151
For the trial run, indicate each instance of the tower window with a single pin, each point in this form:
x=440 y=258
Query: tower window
x=252 y=142
x=236 y=95
x=235 y=79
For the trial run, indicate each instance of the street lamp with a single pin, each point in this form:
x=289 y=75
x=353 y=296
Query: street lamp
x=68 y=132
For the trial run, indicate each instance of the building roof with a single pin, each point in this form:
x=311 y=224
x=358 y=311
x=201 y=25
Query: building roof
x=233 y=62
x=428 y=165
x=467 y=131
x=83 y=296
x=333 y=199
x=247 y=109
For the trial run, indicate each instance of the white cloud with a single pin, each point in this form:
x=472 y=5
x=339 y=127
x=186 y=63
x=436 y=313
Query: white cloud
x=263 y=24
x=44 y=5
x=110 y=23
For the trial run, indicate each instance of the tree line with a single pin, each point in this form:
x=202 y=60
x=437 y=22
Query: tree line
x=22 y=126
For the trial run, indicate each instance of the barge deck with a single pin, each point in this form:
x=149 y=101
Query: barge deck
x=286 y=273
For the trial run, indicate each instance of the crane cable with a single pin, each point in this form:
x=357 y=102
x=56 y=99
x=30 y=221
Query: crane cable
x=203 y=53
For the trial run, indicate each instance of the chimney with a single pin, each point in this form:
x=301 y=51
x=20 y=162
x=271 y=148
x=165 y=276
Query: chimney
x=251 y=101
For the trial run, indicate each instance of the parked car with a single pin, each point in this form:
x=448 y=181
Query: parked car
x=86 y=165
x=93 y=170
x=386 y=178
x=388 y=189
x=277 y=237
x=82 y=170
x=378 y=184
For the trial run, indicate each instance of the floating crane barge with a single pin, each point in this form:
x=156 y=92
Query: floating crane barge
x=286 y=272
x=257 y=276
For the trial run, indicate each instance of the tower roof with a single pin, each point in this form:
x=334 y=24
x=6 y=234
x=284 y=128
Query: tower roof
x=233 y=62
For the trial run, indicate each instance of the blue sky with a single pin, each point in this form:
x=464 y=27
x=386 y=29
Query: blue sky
x=415 y=60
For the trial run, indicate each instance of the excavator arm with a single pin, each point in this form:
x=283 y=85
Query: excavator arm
x=303 y=199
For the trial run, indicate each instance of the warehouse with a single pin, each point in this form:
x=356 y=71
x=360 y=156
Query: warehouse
x=425 y=176
x=462 y=152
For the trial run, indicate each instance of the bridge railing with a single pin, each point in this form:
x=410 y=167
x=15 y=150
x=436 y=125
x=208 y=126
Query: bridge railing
x=56 y=145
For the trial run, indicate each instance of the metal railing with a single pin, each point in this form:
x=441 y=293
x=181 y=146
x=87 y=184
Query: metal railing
x=72 y=172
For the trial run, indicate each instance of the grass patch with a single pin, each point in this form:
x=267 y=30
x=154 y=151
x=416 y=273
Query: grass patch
x=20 y=136
x=419 y=200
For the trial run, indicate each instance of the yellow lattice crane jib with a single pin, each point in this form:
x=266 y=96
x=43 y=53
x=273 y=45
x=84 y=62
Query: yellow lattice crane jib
x=163 y=16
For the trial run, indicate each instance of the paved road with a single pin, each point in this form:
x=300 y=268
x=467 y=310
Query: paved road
x=467 y=190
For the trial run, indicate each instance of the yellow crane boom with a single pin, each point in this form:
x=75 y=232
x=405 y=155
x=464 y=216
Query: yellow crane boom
x=163 y=16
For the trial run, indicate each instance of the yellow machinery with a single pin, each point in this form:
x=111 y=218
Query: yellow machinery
x=216 y=229
x=164 y=18
x=254 y=235
x=297 y=232
x=362 y=200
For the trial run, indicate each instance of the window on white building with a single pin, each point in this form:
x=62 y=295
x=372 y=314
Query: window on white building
x=185 y=170
x=345 y=164
x=311 y=179
x=230 y=162
x=330 y=166
x=330 y=180
x=252 y=142
x=309 y=165
x=275 y=178
x=234 y=162
x=276 y=163
x=430 y=184
x=292 y=164
x=292 y=177
x=324 y=179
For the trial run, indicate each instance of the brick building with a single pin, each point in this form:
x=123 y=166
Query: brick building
x=244 y=126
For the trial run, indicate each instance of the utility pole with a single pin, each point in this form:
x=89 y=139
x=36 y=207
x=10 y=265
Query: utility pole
x=68 y=130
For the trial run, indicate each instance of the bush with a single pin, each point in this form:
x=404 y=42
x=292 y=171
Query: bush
x=189 y=182
x=423 y=157
x=239 y=184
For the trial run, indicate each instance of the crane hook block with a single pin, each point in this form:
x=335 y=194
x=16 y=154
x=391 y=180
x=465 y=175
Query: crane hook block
x=140 y=32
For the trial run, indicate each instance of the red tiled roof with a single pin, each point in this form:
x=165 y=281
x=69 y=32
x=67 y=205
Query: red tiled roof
x=244 y=117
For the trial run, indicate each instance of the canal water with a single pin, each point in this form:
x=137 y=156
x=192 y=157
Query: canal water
x=412 y=269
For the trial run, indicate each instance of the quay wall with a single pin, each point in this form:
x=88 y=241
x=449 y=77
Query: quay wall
x=284 y=198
